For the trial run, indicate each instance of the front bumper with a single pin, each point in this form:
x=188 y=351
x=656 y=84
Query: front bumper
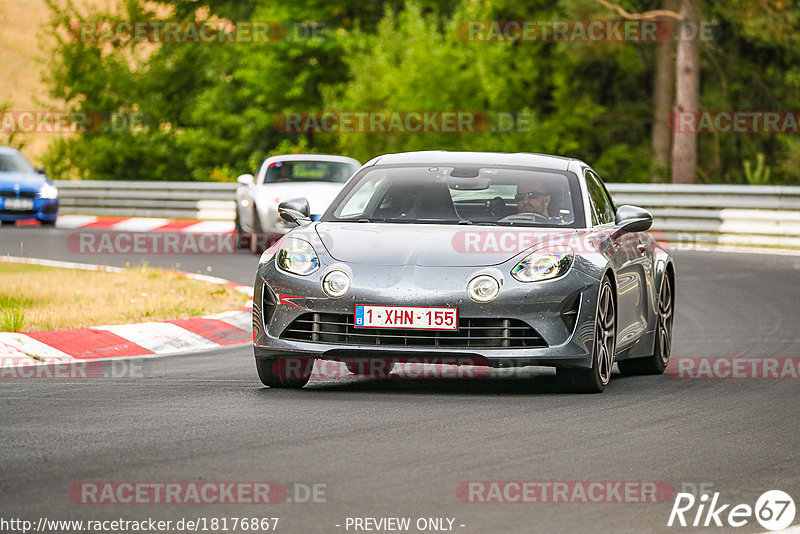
x=43 y=210
x=562 y=312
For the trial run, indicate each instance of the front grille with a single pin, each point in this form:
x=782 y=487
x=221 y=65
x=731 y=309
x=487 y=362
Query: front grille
x=18 y=212
x=22 y=194
x=337 y=328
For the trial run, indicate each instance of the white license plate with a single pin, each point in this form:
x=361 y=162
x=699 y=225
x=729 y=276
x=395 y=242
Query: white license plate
x=19 y=204
x=422 y=318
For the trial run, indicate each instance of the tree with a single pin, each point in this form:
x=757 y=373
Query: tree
x=687 y=90
x=663 y=93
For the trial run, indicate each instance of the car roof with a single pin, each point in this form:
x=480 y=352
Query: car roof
x=313 y=157
x=444 y=157
x=9 y=150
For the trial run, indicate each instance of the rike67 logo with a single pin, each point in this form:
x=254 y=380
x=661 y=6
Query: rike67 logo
x=774 y=510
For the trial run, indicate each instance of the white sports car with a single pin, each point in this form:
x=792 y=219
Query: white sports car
x=316 y=177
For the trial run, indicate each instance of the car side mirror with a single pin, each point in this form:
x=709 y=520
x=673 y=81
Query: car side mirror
x=295 y=211
x=41 y=170
x=246 y=179
x=632 y=219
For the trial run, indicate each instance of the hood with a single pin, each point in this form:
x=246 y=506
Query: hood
x=26 y=180
x=429 y=245
x=319 y=194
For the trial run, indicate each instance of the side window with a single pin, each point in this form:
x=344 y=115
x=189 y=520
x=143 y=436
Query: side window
x=602 y=208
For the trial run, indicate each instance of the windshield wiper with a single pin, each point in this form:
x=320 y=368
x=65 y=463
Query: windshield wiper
x=530 y=224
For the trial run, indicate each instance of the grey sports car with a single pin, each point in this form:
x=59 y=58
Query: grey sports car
x=500 y=260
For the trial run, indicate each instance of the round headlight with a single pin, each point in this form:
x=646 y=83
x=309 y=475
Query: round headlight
x=336 y=283
x=483 y=288
x=298 y=257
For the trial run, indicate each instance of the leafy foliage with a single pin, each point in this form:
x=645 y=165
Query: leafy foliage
x=211 y=108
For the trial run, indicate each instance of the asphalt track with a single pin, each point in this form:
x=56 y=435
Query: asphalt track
x=400 y=448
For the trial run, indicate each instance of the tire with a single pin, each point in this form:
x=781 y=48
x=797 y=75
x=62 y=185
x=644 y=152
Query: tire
x=376 y=368
x=604 y=344
x=285 y=372
x=656 y=363
x=242 y=238
x=49 y=224
x=8 y=223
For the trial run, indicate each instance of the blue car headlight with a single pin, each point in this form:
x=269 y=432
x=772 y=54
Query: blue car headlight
x=544 y=265
x=48 y=191
x=297 y=257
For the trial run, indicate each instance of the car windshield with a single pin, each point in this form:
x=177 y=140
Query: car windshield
x=308 y=171
x=14 y=163
x=505 y=196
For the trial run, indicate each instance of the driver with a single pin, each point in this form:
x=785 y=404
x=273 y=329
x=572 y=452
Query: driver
x=284 y=173
x=531 y=199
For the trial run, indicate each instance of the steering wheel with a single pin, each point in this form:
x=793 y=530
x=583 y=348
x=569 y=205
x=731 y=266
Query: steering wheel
x=526 y=216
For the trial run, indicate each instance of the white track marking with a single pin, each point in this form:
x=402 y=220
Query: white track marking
x=139 y=224
x=64 y=264
x=75 y=221
x=210 y=227
x=15 y=344
x=238 y=319
x=161 y=338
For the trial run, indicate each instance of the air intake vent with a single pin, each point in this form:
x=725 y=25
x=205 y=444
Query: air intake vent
x=337 y=328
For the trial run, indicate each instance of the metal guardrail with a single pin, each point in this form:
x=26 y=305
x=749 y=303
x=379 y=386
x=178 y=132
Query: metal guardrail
x=722 y=214
x=173 y=200
x=725 y=214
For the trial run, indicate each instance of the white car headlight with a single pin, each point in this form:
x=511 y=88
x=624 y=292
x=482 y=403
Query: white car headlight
x=336 y=284
x=48 y=191
x=543 y=266
x=483 y=288
x=298 y=257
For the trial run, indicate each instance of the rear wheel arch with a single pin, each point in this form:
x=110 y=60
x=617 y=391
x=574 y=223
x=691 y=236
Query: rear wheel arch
x=669 y=272
x=609 y=273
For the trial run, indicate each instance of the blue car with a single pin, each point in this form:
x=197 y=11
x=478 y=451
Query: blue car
x=25 y=193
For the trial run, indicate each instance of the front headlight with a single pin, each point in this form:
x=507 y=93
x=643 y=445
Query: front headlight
x=298 y=257
x=48 y=191
x=483 y=288
x=336 y=284
x=543 y=266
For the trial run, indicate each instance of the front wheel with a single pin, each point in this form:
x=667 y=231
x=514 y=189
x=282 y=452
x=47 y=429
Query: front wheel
x=595 y=379
x=50 y=224
x=656 y=363
x=285 y=372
